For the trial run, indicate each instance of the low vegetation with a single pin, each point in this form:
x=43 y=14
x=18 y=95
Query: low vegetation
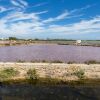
x=34 y=78
x=32 y=74
x=92 y=62
x=20 y=61
x=41 y=61
x=8 y=73
x=79 y=73
x=71 y=62
x=48 y=73
x=57 y=61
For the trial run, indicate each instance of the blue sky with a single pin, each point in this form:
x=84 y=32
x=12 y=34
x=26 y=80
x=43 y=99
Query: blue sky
x=67 y=19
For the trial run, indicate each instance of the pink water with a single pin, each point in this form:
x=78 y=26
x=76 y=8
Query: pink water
x=50 y=52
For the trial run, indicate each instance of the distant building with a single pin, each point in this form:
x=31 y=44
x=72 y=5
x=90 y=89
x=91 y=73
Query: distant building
x=78 y=42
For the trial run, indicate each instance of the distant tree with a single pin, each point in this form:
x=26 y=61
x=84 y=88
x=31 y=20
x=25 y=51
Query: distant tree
x=13 y=38
x=36 y=39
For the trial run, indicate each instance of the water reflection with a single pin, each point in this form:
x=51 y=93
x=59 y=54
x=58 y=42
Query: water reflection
x=30 y=92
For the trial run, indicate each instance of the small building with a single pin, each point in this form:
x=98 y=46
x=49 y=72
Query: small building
x=78 y=42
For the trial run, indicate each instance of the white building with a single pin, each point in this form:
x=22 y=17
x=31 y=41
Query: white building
x=78 y=42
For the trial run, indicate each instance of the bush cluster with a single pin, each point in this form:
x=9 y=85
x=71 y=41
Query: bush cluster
x=80 y=74
x=8 y=73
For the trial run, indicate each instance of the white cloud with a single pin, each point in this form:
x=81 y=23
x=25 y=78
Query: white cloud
x=10 y=26
x=60 y=17
x=15 y=3
x=67 y=15
x=82 y=27
x=36 y=25
x=82 y=9
x=23 y=2
x=40 y=4
x=2 y=9
x=42 y=12
x=64 y=15
x=21 y=23
x=19 y=3
x=18 y=16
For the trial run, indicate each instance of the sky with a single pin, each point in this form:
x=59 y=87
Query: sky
x=53 y=19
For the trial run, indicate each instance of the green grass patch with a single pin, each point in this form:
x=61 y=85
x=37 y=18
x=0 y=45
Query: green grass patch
x=8 y=73
x=80 y=74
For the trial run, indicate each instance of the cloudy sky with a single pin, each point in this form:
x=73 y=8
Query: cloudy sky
x=68 y=19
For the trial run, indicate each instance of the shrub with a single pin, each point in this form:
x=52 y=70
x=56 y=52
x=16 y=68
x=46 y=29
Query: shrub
x=20 y=61
x=32 y=74
x=92 y=62
x=44 y=61
x=56 y=61
x=79 y=74
x=71 y=62
x=8 y=73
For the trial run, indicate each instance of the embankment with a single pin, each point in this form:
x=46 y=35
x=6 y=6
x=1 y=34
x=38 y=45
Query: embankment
x=65 y=72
